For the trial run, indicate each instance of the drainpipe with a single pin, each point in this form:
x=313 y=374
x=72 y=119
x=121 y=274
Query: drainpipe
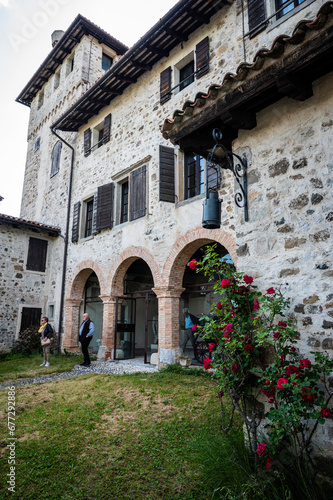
x=64 y=266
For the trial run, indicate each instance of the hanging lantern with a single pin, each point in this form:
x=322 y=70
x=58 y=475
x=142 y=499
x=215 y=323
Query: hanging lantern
x=211 y=218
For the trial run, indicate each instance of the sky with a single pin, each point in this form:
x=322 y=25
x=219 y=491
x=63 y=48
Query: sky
x=25 y=41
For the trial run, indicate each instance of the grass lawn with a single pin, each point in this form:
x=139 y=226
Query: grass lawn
x=141 y=436
x=15 y=367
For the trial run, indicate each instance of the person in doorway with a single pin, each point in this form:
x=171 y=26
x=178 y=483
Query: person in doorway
x=190 y=321
x=86 y=333
x=45 y=333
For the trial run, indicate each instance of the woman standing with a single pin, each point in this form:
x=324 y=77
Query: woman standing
x=45 y=334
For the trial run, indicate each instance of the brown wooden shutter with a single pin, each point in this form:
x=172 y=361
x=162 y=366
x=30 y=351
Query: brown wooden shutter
x=165 y=85
x=37 y=252
x=105 y=206
x=257 y=14
x=138 y=193
x=31 y=316
x=76 y=222
x=87 y=142
x=94 y=229
x=167 y=174
x=202 y=57
x=107 y=129
x=55 y=161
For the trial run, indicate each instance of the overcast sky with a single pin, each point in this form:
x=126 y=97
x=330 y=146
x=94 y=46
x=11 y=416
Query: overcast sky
x=25 y=41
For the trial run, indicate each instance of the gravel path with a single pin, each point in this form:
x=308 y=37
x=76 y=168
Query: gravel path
x=95 y=367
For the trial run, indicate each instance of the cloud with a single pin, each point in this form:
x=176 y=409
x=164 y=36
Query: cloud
x=5 y=3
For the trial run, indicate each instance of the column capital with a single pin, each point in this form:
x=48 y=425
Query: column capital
x=107 y=299
x=167 y=292
x=73 y=302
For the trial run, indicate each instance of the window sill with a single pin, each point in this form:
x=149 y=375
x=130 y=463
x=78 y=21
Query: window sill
x=276 y=22
x=190 y=200
x=87 y=238
x=43 y=273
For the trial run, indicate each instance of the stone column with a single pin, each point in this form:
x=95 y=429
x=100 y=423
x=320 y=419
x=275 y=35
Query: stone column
x=109 y=315
x=70 y=341
x=168 y=324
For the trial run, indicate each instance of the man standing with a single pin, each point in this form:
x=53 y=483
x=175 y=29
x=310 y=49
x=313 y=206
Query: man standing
x=190 y=321
x=86 y=333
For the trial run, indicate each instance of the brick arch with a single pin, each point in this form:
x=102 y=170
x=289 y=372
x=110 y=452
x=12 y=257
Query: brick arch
x=125 y=259
x=79 y=278
x=186 y=246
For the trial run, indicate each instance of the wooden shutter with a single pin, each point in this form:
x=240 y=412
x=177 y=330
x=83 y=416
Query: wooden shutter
x=165 y=85
x=105 y=206
x=37 y=251
x=95 y=215
x=202 y=57
x=87 y=142
x=167 y=174
x=76 y=222
x=257 y=14
x=107 y=129
x=55 y=161
x=138 y=193
x=31 y=316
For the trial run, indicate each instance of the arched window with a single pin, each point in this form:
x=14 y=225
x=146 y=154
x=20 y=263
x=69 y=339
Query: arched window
x=56 y=158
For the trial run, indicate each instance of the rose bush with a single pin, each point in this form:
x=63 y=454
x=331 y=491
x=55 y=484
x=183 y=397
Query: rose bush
x=256 y=362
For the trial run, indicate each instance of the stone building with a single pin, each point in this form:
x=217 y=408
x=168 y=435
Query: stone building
x=118 y=143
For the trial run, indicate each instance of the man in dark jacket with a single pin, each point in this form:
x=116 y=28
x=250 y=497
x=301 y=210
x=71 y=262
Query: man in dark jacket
x=190 y=321
x=86 y=333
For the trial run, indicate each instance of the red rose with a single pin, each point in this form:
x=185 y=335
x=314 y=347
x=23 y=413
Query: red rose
x=282 y=324
x=256 y=304
x=242 y=289
x=268 y=382
x=211 y=346
x=227 y=336
x=229 y=328
x=225 y=369
x=305 y=363
x=192 y=264
x=248 y=348
x=246 y=338
x=269 y=463
x=207 y=363
x=291 y=369
x=235 y=368
x=225 y=283
x=248 y=279
x=308 y=394
x=276 y=335
x=281 y=382
x=282 y=360
x=261 y=448
x=270 y=291
x=269 y=393
x=292 y=349
x=194 y=328
x=220 y=393
x=219 y=306
x=325 y=413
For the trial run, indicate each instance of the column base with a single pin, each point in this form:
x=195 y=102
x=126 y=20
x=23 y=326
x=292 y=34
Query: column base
x=168 y=356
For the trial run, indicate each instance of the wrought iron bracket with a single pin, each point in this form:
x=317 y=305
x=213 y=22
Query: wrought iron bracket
x=238 y=168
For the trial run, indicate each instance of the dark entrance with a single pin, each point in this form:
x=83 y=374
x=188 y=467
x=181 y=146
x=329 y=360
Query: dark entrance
x=136 y=315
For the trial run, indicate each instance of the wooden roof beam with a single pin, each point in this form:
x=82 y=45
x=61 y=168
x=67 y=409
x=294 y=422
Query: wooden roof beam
x=176 y=34
x=159 y=52
x=198 y=16
x=139 y=65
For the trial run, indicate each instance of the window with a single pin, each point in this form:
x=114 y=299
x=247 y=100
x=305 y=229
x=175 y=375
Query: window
x=96 y=137
x=124 y=202
x=31 y=316
x=56 y=80
x=70 y=64
x=37 y=251
x=55 y=159
x=190 y=67
x=37 y=144
x=89 y=218
x=194 y=175
x=40 y=99
x=280 y=3
x=106 y=62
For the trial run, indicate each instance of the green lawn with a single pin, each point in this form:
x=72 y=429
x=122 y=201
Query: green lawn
x=142 y=436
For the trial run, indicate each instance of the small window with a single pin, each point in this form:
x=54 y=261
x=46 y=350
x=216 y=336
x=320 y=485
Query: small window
x=37 y=144
x=55 y=160
x=37 y=251
x=69 y=64
x=106 y=62
x=40 y=99
x=96 y=137
x=124 y=202
x=50 y=311
x=186 y=75
x=89 y=218
x=280 y=3
x=56 y=80
x=194 y=175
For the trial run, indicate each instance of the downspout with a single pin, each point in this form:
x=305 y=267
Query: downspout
x=64 y=265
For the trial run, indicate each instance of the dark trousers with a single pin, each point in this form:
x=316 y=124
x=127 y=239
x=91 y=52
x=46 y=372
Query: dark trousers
x=85 y=341
x=188 y=335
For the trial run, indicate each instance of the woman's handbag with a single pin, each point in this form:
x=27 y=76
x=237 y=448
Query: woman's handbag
x=45 y=341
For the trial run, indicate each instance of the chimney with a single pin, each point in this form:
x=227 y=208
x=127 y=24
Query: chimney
x=55 y=37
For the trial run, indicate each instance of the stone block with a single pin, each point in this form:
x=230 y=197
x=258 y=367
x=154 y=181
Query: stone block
x=101 y=353
x=154 y=359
